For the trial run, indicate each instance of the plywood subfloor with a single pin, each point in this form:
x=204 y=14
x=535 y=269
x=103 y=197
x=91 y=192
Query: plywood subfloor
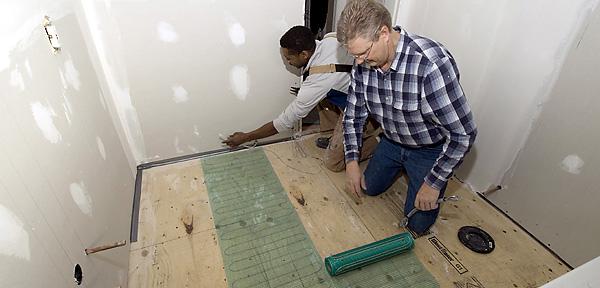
x=166 y=256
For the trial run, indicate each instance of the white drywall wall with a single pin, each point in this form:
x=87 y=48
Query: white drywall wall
x=65 y=183
x=181 y=73
x=551 y=189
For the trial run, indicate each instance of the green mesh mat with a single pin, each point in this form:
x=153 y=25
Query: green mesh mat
x=368 y=254
x=263 y=241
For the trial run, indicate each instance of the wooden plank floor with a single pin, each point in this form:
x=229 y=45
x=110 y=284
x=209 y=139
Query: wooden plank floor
x=166 y=256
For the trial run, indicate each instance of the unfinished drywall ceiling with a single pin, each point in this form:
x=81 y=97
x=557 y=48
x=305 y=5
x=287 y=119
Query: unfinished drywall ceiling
x=65 y=182
x=181 y=73
x=509 y=54
x=551 y=190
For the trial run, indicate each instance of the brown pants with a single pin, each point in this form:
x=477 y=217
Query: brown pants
x=330 y=118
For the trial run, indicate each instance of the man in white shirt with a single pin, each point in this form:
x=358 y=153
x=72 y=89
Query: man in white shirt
x=326 y=67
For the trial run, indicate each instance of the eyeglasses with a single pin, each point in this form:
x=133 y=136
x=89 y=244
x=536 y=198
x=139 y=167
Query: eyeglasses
x=365 y=54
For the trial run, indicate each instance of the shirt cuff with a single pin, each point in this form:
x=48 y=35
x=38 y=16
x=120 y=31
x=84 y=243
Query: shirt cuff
x=435 y=182
x=279 y=126
x=352 y=156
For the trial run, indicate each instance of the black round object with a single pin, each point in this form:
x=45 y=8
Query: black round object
x=476 y=239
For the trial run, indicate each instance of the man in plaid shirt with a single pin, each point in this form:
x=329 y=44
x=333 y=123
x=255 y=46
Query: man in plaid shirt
x=410 y=85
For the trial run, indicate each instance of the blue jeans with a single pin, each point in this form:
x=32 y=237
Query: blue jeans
x=388 y=161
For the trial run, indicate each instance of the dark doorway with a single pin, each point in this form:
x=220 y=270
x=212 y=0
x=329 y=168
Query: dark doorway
x=319 y=16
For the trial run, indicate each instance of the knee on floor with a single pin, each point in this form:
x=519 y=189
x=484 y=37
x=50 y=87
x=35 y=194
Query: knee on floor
x=422 y=221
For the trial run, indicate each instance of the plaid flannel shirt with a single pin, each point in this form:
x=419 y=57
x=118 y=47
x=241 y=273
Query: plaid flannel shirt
x=418 y=102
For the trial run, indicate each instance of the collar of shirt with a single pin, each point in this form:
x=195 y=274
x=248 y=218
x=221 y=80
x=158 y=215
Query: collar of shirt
x=400 y=52
x=400 y=48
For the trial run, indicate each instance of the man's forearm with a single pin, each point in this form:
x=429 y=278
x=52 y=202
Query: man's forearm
x=264 y=131
x=457 y=148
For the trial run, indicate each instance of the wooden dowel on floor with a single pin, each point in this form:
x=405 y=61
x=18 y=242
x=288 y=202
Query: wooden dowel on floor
x=89 y=251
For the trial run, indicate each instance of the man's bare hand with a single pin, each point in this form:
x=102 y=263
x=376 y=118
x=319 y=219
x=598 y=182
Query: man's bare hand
x=354 y=181
x=427 y=198
x=236 y=139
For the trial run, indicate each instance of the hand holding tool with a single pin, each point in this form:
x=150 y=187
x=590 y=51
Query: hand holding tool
x=404 y=221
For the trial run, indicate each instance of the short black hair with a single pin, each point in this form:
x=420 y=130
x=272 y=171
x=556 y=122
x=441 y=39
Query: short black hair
x=298 y=39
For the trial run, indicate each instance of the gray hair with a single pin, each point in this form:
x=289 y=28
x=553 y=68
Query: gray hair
x=362 y=18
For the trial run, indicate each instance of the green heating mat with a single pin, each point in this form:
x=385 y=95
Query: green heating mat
x=264 y=244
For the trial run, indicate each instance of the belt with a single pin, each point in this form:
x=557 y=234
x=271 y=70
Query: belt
x=440 y=142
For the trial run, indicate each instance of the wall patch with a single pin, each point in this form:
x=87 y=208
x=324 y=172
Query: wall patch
x=177 y=147
x=72 y=75
x=180 y=95
x=44 y=119
x=16 y=79
x=101 y=147
x=166 y=32
x=237 y=34
x=28 y=68
x=572 y=164
x=14 y=240
x=238 y=78
x=81 y=197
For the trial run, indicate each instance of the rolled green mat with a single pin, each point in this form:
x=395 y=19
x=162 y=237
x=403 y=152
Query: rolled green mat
x=368 y=254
